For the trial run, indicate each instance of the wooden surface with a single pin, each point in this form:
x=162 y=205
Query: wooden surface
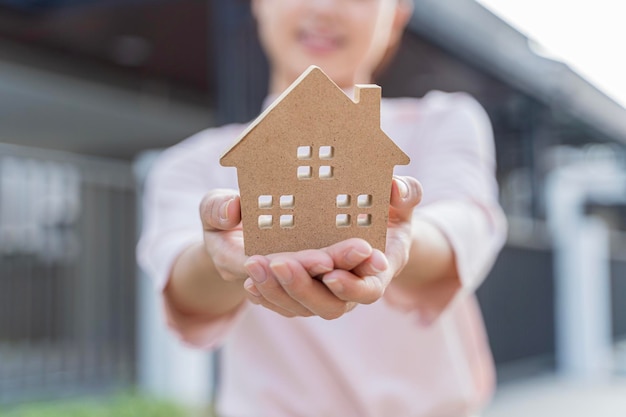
x=315 y=168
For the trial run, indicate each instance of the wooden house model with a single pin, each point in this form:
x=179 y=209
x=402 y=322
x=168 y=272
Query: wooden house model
x=315 y=168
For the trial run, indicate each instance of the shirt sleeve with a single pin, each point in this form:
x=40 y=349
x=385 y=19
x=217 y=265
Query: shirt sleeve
x=171 y=223
x=456 y=165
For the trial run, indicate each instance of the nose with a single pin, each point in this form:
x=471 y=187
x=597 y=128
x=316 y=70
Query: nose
x=323 y=6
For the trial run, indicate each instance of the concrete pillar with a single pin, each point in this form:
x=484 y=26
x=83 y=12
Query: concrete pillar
x=581 y=264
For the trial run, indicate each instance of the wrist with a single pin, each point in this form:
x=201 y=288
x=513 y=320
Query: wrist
x=195 y=288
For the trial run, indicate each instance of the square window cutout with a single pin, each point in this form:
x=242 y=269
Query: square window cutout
x=326 y=152
x=364 y=201
x=265 y=221
x=286 y=221
x=364 y=220
x=305 y=172
x=342 y=220
x=343 y=201
x=287 y=202
x=326 y=172
x=265 y=201
x=305 y=152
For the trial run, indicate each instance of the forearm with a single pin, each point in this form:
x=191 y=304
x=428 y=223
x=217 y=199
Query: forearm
x=453 y=245
x=196 y=288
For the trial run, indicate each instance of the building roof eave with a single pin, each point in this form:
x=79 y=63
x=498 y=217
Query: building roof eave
x=470 y=31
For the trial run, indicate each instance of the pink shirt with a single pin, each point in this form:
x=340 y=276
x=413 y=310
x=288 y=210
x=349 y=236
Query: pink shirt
x=406 y=355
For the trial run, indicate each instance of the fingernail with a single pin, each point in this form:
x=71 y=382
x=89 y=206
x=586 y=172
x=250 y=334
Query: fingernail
x=249 y=286
x=256 y=271
x=403 y=188
x=377 y=270
x=320 y=269
x=223 y=212
x=333 y=284
x=357 y=256
x=379 y=258
x=282 y=272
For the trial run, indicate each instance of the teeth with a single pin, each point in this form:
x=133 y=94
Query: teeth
x=319 y=40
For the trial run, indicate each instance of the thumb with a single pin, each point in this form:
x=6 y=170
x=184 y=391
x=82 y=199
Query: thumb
x=406 y=193
x=220 y=210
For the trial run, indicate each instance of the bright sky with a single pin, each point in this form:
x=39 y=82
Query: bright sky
x=588 y=35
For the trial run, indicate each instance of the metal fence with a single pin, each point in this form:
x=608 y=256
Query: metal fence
x=67 y=275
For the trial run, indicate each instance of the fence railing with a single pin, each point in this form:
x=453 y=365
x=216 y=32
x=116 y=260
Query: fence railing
x=67 y=274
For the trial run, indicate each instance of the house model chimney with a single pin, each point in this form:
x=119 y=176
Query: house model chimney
x=368 y=98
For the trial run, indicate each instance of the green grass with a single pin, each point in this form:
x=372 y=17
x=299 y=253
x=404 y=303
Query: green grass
x=117 y=406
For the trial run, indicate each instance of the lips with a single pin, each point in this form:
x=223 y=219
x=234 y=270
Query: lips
x=317 y=42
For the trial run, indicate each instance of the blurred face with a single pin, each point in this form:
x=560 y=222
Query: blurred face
x=346 y=38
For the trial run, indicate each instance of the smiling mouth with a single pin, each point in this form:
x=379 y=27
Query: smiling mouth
x=320 y=43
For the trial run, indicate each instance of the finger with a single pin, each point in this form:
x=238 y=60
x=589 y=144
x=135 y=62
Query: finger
x=398 y=247
x=310 y=293
x=376 y=264
x=220 y=210
x=314 y=261
x=270 y=289
x=349 y=253
x=227 y=255
x=406 y=193
x=349 y=287
x=255 y=297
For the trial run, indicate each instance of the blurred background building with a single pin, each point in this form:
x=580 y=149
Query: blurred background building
x=89 y=87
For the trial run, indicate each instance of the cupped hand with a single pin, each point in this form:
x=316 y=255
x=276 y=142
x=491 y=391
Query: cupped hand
x=294 y=283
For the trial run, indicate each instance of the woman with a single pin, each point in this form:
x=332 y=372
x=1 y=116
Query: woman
x=373 y=334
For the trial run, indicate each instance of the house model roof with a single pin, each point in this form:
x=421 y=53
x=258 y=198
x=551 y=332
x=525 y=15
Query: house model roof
x=315 y=168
